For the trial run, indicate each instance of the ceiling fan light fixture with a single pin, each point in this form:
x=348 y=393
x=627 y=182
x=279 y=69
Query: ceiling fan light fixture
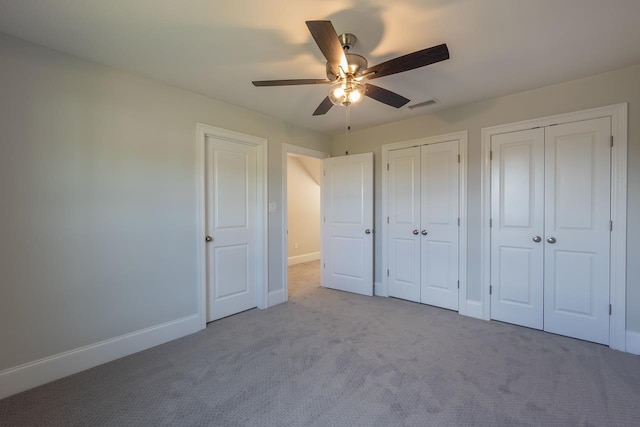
x=345 y=70
x=346 y=92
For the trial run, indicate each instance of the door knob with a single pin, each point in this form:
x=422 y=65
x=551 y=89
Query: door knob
x=424 y=232
x=416 y=232
x=551 y=239
x=208 y=239
x=367 y=231
x=537 y=239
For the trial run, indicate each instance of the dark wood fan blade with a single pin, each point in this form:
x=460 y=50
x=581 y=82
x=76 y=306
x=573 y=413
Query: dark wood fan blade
x=291 y=82
x=418 y=59
x=324 y=106
x=327 y=40
x=385 y=96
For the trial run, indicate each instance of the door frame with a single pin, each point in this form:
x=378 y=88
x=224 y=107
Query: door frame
x=617 y=291
x=462 y=138
x=202 y=132
x=278 y=297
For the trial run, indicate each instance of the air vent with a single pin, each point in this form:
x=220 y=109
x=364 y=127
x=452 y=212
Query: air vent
x=423 y=104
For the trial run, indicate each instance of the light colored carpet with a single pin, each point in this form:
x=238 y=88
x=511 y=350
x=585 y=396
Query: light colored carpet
x=329 y=358
x=304 y=277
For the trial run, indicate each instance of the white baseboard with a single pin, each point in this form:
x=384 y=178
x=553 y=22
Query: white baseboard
x=32 y=374
x=474 y=309
x=633 y=342
x=275 y=298
x=299 y=259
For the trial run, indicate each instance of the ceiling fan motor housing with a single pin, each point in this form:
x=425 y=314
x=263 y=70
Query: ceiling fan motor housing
x=357 y=63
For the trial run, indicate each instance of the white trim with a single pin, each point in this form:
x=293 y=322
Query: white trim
x=299 y=259
x=379 y=290
x=633 y=342
x=462 y=138
x=261 y=144
x=474 y=309
x=618 y=295
x=276 y=297
x=286 y=150
x=618 y=278
x=32 y=374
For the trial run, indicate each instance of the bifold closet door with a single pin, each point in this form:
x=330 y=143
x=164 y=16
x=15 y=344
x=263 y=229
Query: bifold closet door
x=550 y=231
x=517 y=227
x=577 y=229
x=423 y=227
x=439 y=199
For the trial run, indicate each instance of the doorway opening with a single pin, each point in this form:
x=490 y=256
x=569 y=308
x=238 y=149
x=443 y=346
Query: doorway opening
x=302 y=220
x=303 y=223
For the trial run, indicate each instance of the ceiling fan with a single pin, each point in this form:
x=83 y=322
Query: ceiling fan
x=346 y=71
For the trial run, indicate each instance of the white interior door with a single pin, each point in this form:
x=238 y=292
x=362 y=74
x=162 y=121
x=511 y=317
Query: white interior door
x=577 y=229
x=347 y=232
x=231 y=224
x=517 y=227
x=439 y=199
x=404 y=223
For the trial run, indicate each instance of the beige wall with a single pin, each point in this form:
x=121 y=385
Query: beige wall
x=303 y=211
x=596 y=91
x=98 y=209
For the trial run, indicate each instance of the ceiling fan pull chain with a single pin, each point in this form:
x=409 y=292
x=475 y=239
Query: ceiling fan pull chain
x=346 y=131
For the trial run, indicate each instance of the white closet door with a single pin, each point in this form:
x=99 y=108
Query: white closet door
x=404 y=223
x=439 y=224
x=577 y=186
x=517 y=215
x=231 y=212
x=347 y=233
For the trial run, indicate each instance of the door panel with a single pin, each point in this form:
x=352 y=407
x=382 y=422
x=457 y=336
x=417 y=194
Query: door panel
x=231 y=189
x=517 y=214
x=579 y=267
x=577 y=215
x=439 y=198
x=347 y=205
x=516 y=268
x=404 y=217
x=231 y=209
x=231 y=282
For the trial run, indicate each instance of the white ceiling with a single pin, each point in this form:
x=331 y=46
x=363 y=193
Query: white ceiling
x=217 y=47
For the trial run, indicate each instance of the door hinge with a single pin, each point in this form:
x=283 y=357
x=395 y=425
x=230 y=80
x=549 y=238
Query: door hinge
x=610 y=225
x=458 y=221
x=458 y=158
x=387 y=166
x=324 y=219
x=387 y=220
x=324 y=265
x=490 y=290
x=610 y=310
x=490 y=223
x=458 y=284
x=387 y=272
x=612 y=140
x=490 y=155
